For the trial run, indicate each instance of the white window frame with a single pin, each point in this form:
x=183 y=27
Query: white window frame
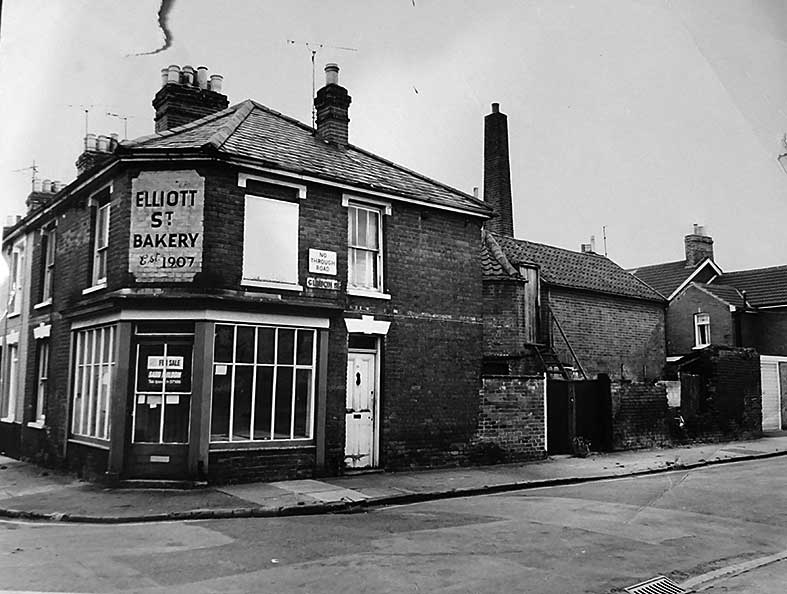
x=701 y=321
x=17 y=278
x=8 y=400
x=93 y=376
x=49 y=241
x=254 y=274
x=42 y=381
x=378 y=208
x=101 y=245
x=230 y=368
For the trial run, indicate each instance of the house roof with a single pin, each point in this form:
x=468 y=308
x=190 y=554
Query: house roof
x=726 y=293
x=763 y=286
x=575 y=270
x=668 y=277
x=252 y=131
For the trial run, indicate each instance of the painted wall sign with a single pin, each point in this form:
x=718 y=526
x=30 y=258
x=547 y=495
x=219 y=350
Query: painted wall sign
x=166 y=225
x=323 y=283
x=322 y=261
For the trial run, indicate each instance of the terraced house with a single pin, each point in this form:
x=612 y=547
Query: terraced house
x=238 y=296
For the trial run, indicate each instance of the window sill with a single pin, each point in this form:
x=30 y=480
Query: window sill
x=13 y=314
x=93 y=442
x=701 y=346
x=94 y=288
x=7 y=420
x=271 y=285
x=43 y=304
x=367 y=293
x=37 y=424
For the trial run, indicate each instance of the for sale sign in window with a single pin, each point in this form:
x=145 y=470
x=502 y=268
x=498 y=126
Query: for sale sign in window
x=166 y=225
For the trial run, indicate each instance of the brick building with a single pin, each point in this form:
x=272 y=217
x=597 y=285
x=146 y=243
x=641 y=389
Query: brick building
x=571 y=315
x=741 y=309
x=242 y=296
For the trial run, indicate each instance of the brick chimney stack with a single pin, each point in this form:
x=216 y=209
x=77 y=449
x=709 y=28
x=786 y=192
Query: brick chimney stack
x=98 y=150
x=332 y=103
x=698 y=247
x=187 y=95
x=497 y=172
x=42 y=194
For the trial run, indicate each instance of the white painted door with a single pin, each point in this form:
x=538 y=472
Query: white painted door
x=771 y=399
x=360 y=442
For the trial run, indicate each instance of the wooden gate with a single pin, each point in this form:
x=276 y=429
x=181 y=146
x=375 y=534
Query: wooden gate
x=578 y=409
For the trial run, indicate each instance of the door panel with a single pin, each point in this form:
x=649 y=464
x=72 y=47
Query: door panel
x=360 y=441
x=769 y=374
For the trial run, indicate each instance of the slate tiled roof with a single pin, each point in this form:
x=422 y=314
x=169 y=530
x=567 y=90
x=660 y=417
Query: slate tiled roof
x=575 y=270
x=254 y=132
x=763 y=286
x=726 y=293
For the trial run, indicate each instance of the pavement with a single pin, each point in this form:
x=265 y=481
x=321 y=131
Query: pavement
x=31 y=492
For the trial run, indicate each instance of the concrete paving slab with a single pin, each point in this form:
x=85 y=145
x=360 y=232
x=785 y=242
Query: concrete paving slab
x=259 y=493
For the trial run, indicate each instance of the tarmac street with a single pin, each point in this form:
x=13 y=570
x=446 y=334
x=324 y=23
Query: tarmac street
x=593 y=537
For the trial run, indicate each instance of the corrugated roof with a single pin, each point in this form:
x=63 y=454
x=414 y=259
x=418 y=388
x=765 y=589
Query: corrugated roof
x=566 y=268
x=252 y=131
x=763 y=286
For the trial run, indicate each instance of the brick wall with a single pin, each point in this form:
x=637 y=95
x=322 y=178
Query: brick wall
x=621 y=337
x=232 y=466
x=771 y=332
x=503 y=317
x=680 y=321
x=511 y=420
x=640 y=415
x=729 y=398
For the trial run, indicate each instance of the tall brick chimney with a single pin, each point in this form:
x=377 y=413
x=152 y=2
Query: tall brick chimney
x=332 y=103
x=497 y=172
x=187 y=95
x=698 y=247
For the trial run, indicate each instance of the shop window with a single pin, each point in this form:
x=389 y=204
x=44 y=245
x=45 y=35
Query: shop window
x=270 y=242
x=701 y=330
x=100 y=244
x=263 y=383
x=17 y=276
x=365 y=253
x=42 y=364
x=48 y=241
x=8 y=400
x=93 y=370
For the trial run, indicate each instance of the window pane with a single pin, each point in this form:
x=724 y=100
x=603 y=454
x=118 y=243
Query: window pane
x=264 y=401
x=150 y=369
x=305 y=347
x=352 y=229
x=283 y=402
x=147 y=418
x=286 y=346
x=176 y=418
x=303 y=386
x=244 y=350
x=362 y=224
x=241 y=415
x=178 y=368
x=270 y=240
x=220 y=407
x=372 y=233
x=265 y=345
x=222 y=346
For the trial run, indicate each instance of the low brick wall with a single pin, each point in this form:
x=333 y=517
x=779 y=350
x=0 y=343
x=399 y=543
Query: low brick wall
x=639 y=415
x=511 y=420
x=237 y=466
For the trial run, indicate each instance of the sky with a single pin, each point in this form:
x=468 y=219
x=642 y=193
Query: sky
x=638 y=117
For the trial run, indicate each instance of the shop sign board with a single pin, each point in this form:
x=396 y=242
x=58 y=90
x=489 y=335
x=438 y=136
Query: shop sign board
x=165 y=241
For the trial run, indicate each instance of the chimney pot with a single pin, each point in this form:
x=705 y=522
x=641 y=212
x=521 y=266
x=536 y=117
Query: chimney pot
x=585 y=248
x=331 y=74
x=46 y=186
x=216 y=81
x=173 y=75
x=188 y=76
x=164 y=76
x=495 y=108
x=103 y=143
x=202 y=77
x=90 y=142
x=37 y=185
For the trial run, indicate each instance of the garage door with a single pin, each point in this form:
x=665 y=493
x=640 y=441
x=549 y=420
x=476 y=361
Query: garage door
x=771 y=401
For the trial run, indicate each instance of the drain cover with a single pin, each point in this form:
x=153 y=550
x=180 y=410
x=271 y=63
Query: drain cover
x=656 y=585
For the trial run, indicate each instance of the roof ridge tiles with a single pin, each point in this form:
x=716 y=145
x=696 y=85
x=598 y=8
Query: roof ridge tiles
x=222 y=134
x=136 y=142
